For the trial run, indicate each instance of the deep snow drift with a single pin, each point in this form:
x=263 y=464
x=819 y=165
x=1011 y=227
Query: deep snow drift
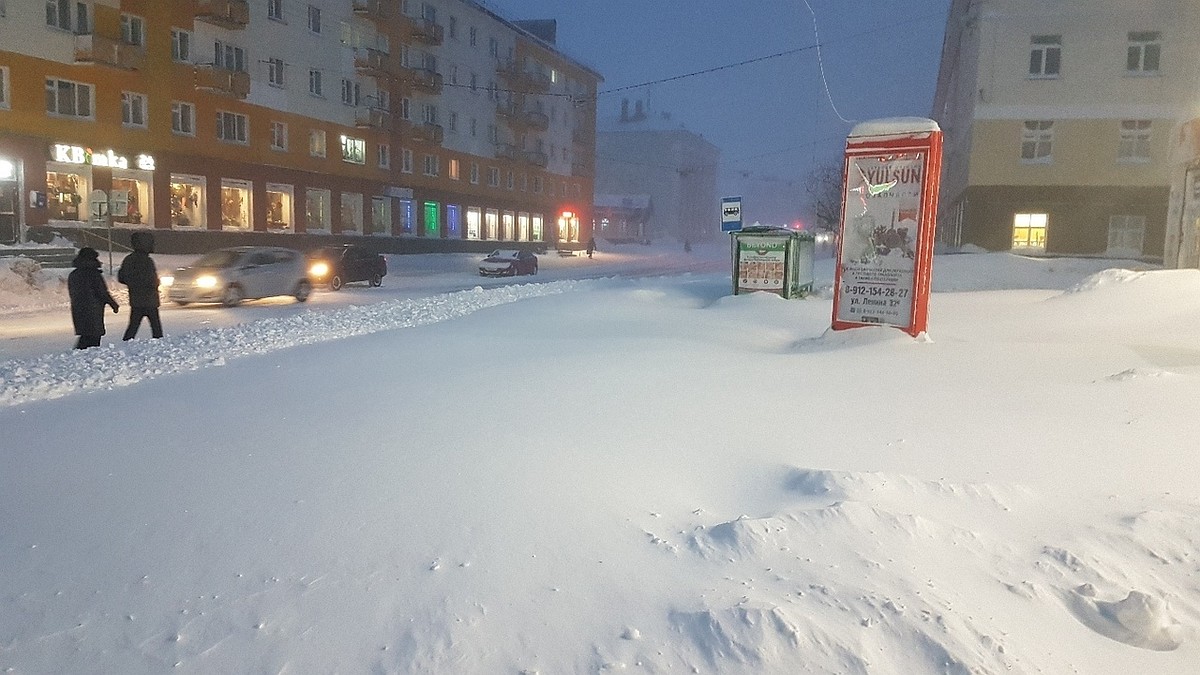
x=621 y=475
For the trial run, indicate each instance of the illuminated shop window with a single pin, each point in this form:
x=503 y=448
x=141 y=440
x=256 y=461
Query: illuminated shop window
x=280 y=207
x=138 y=186
x=66 y=193
x=453 y=221
x=507 y=220
x=473 y=218
x=235 y=204
x=318 y=210
x=1029 y=231
x=381 y=215
x=491 y=224
x=407 y=216
x=536 y=223
x=352 y=213
x=522 y=226
x=433 y=225
x=187 y=201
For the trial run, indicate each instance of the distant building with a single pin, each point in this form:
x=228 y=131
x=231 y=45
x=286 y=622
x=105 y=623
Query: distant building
x=423 y=126
x=640 y=153
x=623 y=218
x=1061 y=121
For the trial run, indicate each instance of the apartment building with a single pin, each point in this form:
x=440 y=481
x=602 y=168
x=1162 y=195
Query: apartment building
x=426 y=126
x=1061 y=123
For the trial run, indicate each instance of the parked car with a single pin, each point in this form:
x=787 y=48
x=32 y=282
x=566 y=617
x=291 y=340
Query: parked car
x=508 y=263
x=340 y=265
x=230 y=275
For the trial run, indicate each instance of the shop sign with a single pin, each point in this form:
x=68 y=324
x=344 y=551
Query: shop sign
x=75 y=154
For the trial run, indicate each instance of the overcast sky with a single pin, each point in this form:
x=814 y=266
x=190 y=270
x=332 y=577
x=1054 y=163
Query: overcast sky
x=771 y=117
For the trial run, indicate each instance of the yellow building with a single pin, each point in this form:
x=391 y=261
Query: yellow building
x=424 y=125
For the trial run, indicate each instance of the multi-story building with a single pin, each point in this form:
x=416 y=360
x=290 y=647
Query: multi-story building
x=1060 y=122
x=426 y=125
x=642 y=154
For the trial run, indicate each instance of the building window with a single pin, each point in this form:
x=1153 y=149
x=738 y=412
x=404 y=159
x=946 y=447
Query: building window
x=474 y=83
x=433 y=228
x=1143 y=53
x=351 y=213
x=1135 y=141
x=473 y=173
x=491 y=224
x=405 y=108
x=133 y=30
x=133 y=109
x=452 y=27
x=431 y=165
x=407 y=216
x=537 y=184
x=275 y=9
x=536 y=223
x=473 y=220
x=385 y=156
x=280 y=207
x=493 y=47
x=67 y=191
x=58 y=15
x=317 y=209
x=354 y=150
x=429 y=113
x=314 y=83
x=279 y=136
x=1029 y=231
x=381 y=215
x=406 y=160
x=1045 y=56
x=350 y=92
x=453 y=221
x=229 y=57
x=4 y=87
x=493 y=134
x=522 y=226
x=235 y=204
x=1037 y=139
x=452 y=169
x=232 y=127
x=474 y=127
x=452 y=122
x=136 y=186
x=183 y=118
x=181 y=45
x=275 y=72
x=453 y=75
x=314 y=19
x=509 y=181
x=473 y=36
x=187 y=201
x=69 y=99
x=1126 y=235
x=316 y=143
x=506 y=226
x=493 y=177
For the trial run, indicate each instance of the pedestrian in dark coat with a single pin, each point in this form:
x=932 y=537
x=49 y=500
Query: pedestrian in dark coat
x=591 y=246
x=139 y=274
x=89 y=294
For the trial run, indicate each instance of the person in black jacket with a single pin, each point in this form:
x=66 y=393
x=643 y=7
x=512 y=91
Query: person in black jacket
x=139 y=274
x=89 y=294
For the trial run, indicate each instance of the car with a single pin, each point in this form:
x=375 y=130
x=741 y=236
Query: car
x=508 y=263
x=230 y=275
x=337 y=266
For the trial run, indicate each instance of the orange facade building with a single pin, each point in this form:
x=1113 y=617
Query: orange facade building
x=424 y=125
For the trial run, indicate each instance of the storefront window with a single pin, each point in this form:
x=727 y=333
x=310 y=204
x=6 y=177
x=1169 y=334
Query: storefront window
x=453 y=221
x=506 y=222
x=381 y=215
x=522 y=227
x=536 y=222
x=473 y=218
x=491 y=224
x=140 y=210
x=433 y=228
x=187 y=201
x=279 y=207
x=317 y=210
x=1029 y=231
x=407 y=216
x=235 y=204
x=66 y=193
x=352 y=213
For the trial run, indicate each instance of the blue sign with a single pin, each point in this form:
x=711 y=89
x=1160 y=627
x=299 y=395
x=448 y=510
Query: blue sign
x=731 y=214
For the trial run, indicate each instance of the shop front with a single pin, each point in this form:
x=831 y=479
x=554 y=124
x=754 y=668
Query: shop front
x=74 y=171
x=10 y=201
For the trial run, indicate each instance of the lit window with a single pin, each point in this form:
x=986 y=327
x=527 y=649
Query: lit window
x=1143 y=53
x=452 y=169
x=279 y=207
x=1029 y=231
x=354 y=150
x=1036 y=141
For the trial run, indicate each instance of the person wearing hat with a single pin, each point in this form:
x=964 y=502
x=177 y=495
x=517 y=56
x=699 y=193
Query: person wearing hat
x=139 y=274
x=89 y=294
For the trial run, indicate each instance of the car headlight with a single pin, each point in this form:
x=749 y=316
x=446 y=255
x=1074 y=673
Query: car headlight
x=319 y=269
x=206 y=281
x=166 y=282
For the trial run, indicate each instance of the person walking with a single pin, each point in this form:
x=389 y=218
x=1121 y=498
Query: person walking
x=591 y=246
x=89 y=294
x=139 y=274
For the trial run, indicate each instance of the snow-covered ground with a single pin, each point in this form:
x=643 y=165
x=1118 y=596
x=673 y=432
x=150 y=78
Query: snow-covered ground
x=604 y=470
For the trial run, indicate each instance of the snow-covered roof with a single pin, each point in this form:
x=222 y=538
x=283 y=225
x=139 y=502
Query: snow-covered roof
x=892 y=126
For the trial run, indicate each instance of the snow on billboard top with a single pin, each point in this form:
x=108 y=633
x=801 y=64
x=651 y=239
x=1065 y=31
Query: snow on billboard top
x=894 y=126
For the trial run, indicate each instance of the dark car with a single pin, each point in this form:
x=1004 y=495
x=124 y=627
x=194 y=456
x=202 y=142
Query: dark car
x=340 y=265
x=508 y=263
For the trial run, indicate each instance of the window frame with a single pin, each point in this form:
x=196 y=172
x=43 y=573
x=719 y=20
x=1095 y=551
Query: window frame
x=1135 y=136
x=76 y=87
x=240 y=127
x=177 y=116
x=318 y=143
x=1034 y=138
x=181 y=45
x=131 y=102
x=315 y=86
x=1044 y=50
x=133 y=29
x=279 y=136
x=314 y=19
x=275 y=10
x=1139 y=46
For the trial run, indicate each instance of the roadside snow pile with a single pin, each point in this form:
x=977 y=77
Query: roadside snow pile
x=25 y=285
x=60 y=374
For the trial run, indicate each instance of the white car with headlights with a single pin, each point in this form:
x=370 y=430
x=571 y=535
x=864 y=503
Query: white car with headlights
x=230 y=275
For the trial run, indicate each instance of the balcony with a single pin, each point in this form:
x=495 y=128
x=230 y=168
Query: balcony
x=529 y=82
x=374 y=63
x=102 y=51
x=428 y=32
x=373 y=118
x=536 y=119
x=508 y=151
x=424 y=131
x=426 y=80
x=233 y=83
x=516 y=116
x=231 y=14
x=536 y=158
x=375 y=10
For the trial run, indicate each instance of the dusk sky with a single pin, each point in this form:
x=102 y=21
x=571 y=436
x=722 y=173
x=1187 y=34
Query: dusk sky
x=771 y=117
